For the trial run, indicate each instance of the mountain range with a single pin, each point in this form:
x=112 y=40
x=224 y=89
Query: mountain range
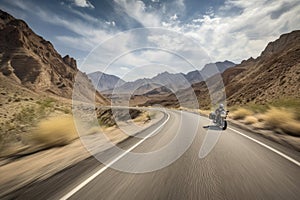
x=103 y=81
x=107 y=84
x=272 y=76
x=30 y=63
x=208 y=71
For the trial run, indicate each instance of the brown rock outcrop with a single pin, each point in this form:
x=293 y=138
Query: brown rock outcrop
x=33 y=61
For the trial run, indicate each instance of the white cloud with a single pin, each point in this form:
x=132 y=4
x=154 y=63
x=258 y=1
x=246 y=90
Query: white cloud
x=137 y=10
x=247 y=32
x=112 y=23
x=224 y=36
x=236 y=31
x=89 y=30
x=83 y=3
x=146 y=47
x=180 y=4
x=210 y=12
x=84 y=16
x=124 y=68
x=174 y=17
x=89 y=35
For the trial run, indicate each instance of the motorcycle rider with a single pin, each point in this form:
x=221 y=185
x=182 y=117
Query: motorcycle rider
x=218 y=112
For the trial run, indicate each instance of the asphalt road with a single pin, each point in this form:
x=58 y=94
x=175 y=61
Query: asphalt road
x=236 y=168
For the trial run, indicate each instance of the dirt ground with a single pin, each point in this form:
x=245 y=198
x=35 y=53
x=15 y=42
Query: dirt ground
x=41 y=165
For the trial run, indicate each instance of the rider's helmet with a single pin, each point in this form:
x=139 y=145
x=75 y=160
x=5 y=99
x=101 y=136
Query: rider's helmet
x=221 y=106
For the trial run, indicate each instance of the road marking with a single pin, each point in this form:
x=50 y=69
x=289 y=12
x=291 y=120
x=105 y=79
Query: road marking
x=84 y=183
x=268 y=147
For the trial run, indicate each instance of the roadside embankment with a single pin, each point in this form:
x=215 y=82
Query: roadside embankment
x=64 y=148
x=278 y=121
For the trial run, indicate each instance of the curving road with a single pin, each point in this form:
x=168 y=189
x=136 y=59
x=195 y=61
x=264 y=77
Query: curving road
x=236 y=168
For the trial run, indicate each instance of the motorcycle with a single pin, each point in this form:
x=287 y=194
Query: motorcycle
x=220 y=120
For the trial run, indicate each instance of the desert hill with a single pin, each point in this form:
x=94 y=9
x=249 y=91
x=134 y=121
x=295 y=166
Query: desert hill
x=274 y=75
x=32 y=62
x=36 y=82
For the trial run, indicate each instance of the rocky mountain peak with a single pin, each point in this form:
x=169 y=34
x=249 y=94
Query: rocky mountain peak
x=5 y=18
x=165 y=73
x=103 y=82
x=33 y=62
x=70 y=61
x=273 y=75
x=284 y=43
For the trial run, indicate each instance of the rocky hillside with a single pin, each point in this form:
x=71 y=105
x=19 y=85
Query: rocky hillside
x=274 y=75
x=32 y=62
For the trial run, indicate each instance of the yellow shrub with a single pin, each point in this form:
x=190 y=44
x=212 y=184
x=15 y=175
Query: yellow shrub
x=292 y=128
x=204 y=112
x=241 y=113
x=284 y=119
x=260 y=117
x=251 y=120
x=275 y=117
x=55 y=131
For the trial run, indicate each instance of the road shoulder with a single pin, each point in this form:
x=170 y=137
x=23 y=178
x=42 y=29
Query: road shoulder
x=44 y=164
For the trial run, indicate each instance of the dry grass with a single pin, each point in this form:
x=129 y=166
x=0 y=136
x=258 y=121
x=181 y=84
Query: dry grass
x=55 y=131
x=283 y=119
x=241 y=113
x=292 y=128
x=142 y=117
x=145 y=117
x=260 y=117
x=276 y=116
x=288 y=103
x=1 y=143
x=250 y=120
x=204 y=112
x=94 y=130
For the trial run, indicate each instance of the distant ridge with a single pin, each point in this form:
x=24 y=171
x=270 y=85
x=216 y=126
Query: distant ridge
x=208 y=71
x=103 y=81
x=174 y=81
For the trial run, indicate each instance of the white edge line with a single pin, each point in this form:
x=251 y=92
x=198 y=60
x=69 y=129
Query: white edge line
x=268 y=147
x=81 y=185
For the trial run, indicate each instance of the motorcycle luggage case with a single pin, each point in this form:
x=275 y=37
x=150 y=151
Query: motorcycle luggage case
x=212 y=115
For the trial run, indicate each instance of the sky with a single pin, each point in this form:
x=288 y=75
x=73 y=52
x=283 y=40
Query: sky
x=134 y=39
